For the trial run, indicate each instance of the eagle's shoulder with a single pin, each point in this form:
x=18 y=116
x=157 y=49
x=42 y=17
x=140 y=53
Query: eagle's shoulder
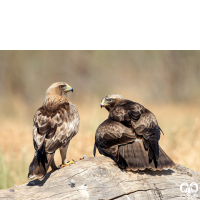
x=127 y=107
x=49 y=117
x=73 y=113
x=130 y=105
x=51 y=111
x=73 y=108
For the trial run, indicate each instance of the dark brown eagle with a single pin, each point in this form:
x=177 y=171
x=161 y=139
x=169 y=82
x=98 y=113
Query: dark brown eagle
x=130 y=136
x=54 y=125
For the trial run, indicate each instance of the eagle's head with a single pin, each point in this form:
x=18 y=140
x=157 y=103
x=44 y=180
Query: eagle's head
x=59 y=89
x=57 y=94
x=110 y=101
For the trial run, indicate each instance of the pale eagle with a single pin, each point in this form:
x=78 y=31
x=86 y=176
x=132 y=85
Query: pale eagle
x=54 y=125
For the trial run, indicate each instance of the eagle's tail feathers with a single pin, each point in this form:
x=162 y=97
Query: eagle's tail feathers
x=39 y=165
x=164 y=161
x=136 y=157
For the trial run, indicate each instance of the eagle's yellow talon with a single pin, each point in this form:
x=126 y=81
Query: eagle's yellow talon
x=68 y=163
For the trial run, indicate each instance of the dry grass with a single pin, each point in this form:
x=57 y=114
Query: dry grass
x=180 y=123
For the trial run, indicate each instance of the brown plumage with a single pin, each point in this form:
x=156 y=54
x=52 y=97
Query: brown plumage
x=54 y=125
x=130 y=136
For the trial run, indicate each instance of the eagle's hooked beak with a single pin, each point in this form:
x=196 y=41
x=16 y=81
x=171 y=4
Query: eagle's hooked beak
x=68 y=89
x=102 y=105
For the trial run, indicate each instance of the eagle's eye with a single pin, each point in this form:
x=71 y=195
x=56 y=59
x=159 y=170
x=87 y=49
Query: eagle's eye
x=61 y=86
x=110 y=100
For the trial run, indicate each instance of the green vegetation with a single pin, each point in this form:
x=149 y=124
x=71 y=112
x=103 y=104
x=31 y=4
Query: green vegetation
x=13 y=172
x=6 y=179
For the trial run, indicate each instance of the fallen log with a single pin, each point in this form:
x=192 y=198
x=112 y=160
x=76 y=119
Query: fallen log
x=100 y=178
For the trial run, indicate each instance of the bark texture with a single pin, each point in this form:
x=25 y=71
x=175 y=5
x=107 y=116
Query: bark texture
x=100 y=178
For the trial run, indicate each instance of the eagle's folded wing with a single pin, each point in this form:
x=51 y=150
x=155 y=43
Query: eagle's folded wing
x=109 y=136
x=129 y=151
x=53 y=131
x=111 y=133
x=142 y=121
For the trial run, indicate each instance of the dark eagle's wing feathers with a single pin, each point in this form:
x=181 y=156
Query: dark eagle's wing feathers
x=127 y=111
x=142 y=121
x=109 y=136
x=111 y=133
x=129 y=151
x=147 y=127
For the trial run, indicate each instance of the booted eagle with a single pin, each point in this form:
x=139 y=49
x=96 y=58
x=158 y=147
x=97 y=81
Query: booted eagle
x=130 y=136
x=54 y=125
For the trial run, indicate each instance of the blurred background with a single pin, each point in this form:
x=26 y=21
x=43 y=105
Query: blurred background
x=165 y=82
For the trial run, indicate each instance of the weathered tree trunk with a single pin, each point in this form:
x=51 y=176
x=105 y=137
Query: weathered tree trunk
x=100 y=178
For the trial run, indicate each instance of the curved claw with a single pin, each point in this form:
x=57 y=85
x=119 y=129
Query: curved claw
x=68 y=163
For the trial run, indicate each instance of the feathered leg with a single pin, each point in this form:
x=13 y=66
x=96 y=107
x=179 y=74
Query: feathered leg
x=63 y=153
